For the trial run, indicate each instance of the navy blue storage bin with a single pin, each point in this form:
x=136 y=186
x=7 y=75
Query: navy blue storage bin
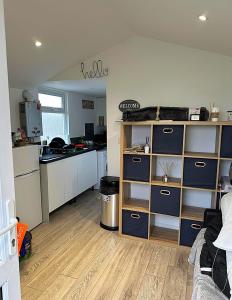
x=168 y=139
x=136 y=167
x=135 y=223
x=165 y=200
x=226 y=142
x=188 y=231
x=200 y=172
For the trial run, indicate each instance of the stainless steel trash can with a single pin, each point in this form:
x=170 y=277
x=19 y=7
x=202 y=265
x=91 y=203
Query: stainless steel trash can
x=109 y=197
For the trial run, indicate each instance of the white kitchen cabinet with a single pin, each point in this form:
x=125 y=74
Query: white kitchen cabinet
x=86 y=171
x=65 y=179
x=56 y=184
x=68 y=179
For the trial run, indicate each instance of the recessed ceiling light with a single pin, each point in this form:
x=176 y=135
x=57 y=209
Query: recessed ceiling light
x=202 y=18
x=38 y=44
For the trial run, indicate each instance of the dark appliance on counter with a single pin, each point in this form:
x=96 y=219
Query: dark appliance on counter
x=69 y=148
x=77 y=140
x=100 y=139
x=89 y=131
x=57 y=143
x=58 y=146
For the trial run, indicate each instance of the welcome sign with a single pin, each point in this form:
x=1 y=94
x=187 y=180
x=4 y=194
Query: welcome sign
x=129 y=105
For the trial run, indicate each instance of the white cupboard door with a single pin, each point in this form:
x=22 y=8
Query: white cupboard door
x=76 y=184
x=70 y=178
x=28 y=199
x=87 y=171
x=56 y=184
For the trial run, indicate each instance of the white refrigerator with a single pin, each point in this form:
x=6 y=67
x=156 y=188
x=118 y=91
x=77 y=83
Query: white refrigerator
x=27 y=185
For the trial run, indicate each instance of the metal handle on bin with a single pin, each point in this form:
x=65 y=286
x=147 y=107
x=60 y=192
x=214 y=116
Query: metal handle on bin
x=200 y=164
x=136 y=159
x=168 y=130
x=196 y=226
x=135 y=216
x=165 y=192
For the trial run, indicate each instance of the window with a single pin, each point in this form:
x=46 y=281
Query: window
x=51 y=101
x=54 y=117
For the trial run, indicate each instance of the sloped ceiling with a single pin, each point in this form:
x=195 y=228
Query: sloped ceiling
x=88 y=87
x=73 y=30
x=70 y=30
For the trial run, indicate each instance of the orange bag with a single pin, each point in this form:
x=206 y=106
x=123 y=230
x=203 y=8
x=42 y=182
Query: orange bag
x=21 y=231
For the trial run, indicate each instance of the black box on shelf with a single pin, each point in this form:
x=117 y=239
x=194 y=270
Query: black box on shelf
x=168 y=139
x=136 y=167
x=200 y=173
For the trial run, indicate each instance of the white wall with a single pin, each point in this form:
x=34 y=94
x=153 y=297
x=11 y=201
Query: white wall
x=15 y=98
x=159 y=73
x=101 y=109
x=79 y=116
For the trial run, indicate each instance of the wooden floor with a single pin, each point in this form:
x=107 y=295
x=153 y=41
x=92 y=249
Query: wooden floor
x=73 y=258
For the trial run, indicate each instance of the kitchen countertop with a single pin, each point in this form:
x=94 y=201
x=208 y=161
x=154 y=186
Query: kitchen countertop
x=49 y=158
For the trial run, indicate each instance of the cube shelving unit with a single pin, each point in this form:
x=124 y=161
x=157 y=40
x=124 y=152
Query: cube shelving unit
x=200 y=152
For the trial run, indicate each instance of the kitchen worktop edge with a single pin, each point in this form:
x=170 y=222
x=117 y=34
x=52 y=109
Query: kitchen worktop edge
x=44 y=160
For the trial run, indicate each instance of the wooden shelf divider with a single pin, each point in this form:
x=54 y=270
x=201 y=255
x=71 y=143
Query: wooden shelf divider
x=226 y=158
x=136 y=182
x=199 y=189
x=164 y=234
x=136 y=204
x=167 y=155
x=173 y=182
x=201 y=155
x=193 y=213
x=136 y=153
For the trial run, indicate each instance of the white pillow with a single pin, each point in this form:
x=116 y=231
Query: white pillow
x=224 y=240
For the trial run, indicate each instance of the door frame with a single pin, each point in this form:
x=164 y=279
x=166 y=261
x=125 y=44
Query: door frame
x=9 y=264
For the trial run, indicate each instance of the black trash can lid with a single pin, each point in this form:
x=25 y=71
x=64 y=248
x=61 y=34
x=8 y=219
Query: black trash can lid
x=110 y=180
x=109 y=185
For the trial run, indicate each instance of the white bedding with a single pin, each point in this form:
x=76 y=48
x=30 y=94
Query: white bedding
x=224 y=240
x=204 y=287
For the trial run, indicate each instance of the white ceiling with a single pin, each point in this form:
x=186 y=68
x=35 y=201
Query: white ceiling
x=90 y=87
x=73 y=30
